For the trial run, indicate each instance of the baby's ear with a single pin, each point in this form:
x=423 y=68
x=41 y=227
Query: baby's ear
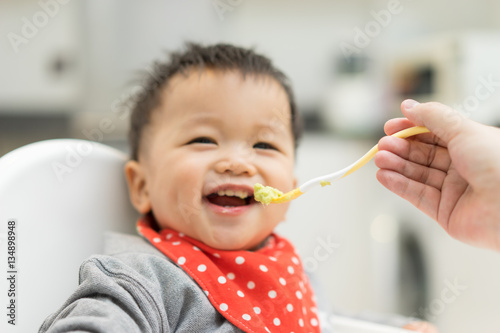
x=137 y=187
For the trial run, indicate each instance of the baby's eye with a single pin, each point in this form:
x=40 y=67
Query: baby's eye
x=203 y=140
x=264 y=145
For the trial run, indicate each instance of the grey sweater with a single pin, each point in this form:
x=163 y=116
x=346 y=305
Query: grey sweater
x=135 y=288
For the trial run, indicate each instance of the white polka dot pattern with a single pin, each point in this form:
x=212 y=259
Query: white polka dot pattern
x=239 y=260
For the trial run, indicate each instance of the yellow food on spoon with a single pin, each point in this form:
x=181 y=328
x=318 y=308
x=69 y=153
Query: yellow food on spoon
x=268 y=194
x=265 y=194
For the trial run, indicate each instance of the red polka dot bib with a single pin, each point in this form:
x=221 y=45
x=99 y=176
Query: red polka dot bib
x=261 y=291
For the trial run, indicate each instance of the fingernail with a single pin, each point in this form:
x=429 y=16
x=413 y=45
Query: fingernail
x=410 y=103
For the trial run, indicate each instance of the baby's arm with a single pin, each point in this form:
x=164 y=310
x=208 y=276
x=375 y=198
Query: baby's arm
x=108 y=300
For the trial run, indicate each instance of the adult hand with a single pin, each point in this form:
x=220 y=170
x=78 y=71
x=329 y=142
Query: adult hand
x=452 y=174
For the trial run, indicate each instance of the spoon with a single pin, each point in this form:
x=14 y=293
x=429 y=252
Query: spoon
x=268 y=194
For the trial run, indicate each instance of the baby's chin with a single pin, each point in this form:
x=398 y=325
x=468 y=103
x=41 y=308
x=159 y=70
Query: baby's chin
x=232 y=244
x=223 y=238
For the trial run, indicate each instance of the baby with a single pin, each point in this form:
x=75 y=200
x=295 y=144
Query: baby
x=223 y=119
x=209 y=124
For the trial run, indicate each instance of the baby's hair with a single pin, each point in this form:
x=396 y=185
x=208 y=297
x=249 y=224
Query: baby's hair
x=218 y=57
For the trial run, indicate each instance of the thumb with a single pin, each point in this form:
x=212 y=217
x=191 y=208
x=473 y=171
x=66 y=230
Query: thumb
x=442 y=120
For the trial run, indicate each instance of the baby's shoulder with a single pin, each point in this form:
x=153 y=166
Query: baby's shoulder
x=116 y=244
x=133 y=263
x=135 y=266
x=130 y=255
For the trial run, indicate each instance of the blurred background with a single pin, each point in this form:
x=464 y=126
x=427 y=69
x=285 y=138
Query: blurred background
x=67 y=69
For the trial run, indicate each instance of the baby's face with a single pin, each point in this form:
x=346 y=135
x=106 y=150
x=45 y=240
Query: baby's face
x=214 y=136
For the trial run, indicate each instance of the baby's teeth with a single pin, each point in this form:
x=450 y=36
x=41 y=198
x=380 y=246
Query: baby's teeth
x=239 y=194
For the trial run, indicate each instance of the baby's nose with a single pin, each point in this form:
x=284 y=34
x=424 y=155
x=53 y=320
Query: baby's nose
x=237 y=165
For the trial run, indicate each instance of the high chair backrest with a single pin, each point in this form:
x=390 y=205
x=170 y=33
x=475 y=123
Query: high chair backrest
x=58 y=198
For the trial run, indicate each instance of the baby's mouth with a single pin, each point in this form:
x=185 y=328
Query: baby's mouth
x=230 y=198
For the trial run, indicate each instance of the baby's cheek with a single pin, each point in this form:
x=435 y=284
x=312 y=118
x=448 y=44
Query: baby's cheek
x=187 y=174
x=178 y=175
x=281 y=172
x=180 y=199
x=274 y=214
x=282 y=209
x=189 y=180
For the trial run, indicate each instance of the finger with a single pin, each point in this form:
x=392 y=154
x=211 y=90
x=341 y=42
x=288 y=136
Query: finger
x=424 y=197
x=398 y=124
x=440 y=119
x=419 y=173
x=430 y=155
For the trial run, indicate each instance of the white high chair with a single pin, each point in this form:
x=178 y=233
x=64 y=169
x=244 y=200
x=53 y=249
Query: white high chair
x=63 y=197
